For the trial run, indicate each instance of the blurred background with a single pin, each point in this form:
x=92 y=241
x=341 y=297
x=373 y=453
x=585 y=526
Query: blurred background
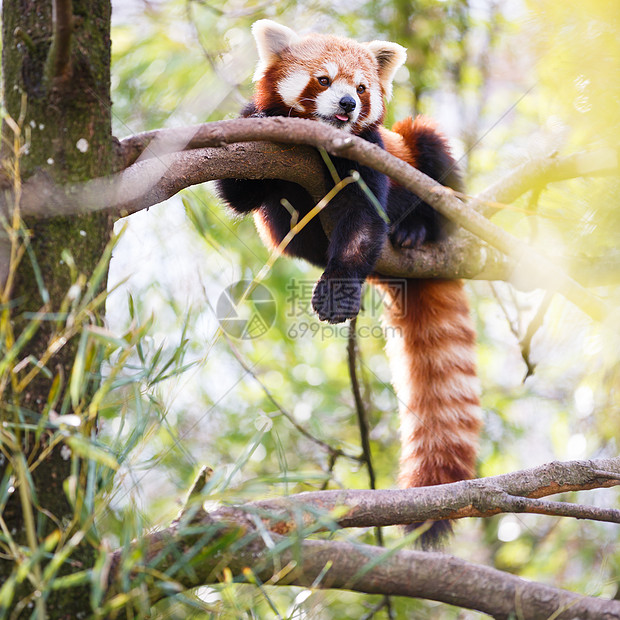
x=508 y=81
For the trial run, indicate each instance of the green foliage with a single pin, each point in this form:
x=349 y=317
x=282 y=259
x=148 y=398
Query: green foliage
x=233 y=409
x=177 y=393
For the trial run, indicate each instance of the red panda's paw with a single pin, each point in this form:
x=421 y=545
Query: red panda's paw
x=336 y=299
x=420 y=226
x=408 y=236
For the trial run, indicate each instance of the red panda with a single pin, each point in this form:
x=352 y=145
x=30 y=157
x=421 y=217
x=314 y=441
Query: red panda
x=344 y=83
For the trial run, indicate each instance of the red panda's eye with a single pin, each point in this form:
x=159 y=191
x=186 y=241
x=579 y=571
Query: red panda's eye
x=360 y=89
x=323 y=81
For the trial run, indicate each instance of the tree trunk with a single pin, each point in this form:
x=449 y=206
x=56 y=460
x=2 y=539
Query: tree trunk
x=56 y=83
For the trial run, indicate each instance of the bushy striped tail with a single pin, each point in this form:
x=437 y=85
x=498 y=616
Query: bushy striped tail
x=431 y=348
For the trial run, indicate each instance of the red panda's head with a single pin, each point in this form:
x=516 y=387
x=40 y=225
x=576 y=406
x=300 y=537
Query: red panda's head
x=323 y=77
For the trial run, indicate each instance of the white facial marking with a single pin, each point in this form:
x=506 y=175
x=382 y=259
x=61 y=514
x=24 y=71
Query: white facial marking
x=376 y=107
x=328 y=103
x=291 y=87
x=358 y=78
x=331 y=68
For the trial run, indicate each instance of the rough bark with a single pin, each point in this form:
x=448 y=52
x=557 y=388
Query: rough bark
x=56 y=82
x=517 y=492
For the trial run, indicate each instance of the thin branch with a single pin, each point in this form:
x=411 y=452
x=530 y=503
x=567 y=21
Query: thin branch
x=559 y=509
x=532 y=328
x=607 y=473
x=525 y=340
x=333 y=452
x=482 y=497
x=362 y=420
x=539 y=172
x=360 y=408
x=222 y=75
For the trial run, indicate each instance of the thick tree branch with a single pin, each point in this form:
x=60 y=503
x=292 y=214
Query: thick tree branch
x=157 y=176
x=153 y=180
x=537 y=269
x=361 y=568
x=331 y=564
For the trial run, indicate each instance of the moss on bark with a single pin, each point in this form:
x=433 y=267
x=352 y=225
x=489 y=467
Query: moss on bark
x=66 y=130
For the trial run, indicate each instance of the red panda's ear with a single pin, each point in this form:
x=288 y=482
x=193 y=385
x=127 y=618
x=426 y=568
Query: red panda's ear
x=271 y=39
x=389 y=57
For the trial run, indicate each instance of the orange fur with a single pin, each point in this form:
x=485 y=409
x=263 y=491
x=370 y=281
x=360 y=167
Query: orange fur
x=431 y=349
x=410 y=129
x=395 y=144
x=310 y=56
x=431 y=346
x=431 y=353
x=432 y=358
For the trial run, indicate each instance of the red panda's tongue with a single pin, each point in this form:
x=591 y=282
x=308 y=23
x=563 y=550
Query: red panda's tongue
x=342 y=117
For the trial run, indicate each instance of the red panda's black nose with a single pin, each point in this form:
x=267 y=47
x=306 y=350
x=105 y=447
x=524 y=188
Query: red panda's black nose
x=347 y=103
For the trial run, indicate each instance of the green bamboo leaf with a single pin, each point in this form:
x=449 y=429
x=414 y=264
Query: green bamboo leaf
x=100 y=272
x=7 y=592
x=45 y=296
x=373 y=199
x=71 y=581
x=88 y=450
x=98 y=586
x=76 y=382
x=23 y=339
x=54 y=392
x=67 y=257
x=248 y=452
x=106 y=336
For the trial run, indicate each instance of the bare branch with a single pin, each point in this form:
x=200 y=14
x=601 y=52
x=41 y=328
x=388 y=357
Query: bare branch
x=539 y=172
x=277 y=560
x=360 y=407
x=362 y=413
x=559 y=509
x=482 y=497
